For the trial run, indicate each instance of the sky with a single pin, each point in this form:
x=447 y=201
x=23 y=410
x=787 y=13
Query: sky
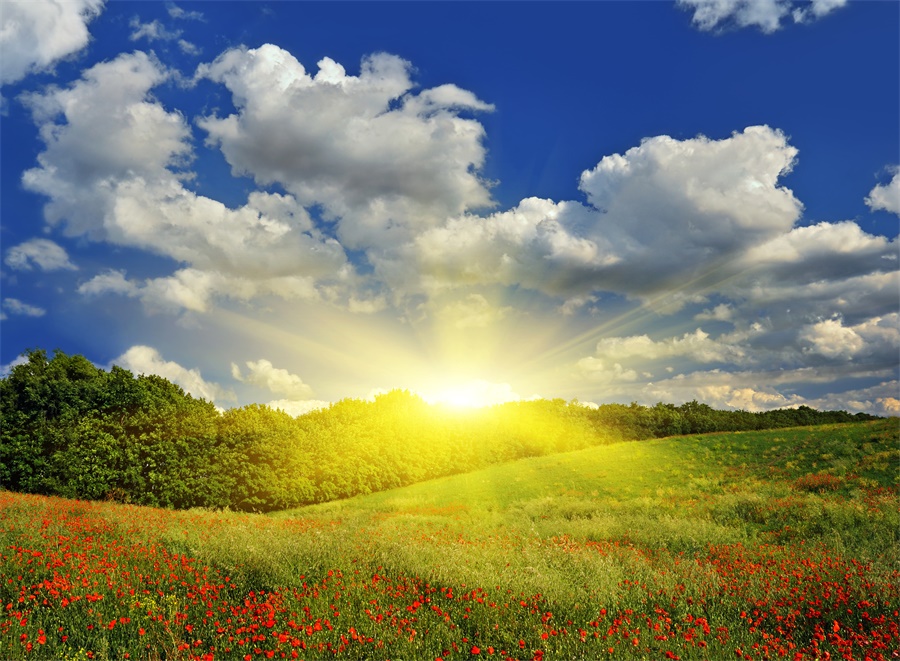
x=292 y=203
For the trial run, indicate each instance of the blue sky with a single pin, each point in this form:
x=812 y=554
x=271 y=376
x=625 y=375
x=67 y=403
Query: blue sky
x=292 y=203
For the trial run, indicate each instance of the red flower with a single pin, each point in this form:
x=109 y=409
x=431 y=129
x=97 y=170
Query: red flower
x=475 y=649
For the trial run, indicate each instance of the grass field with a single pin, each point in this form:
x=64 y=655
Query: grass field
x=777 y=544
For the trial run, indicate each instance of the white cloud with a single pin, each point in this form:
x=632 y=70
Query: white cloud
x=829 y=250
x=775 y=388
x=382 y=161
x=113 y=171
x=141 y=359
x=800 y=297
x=153 y=31
x=704 y=223
x=16 y=307
x=473 y=311
x=823 y=351
x=298 y=407
x=529 y=245
x=35 y=34
x=701 y=195
x=880 y=399
x=747 y=398
x=596 y=371
x=832 y=339
x=816 y=10
x=698 y=346
x=193 y=290
x=189 y=48
x=576 y=303
x=43 y=253
x=111 y=134
x=111 y=281
x=366 y=305
x=763 y=14
x=886 y=196
x=722 y=312
x=178 y=13
x=279 y=381
x=662 y=216
x=21 y=359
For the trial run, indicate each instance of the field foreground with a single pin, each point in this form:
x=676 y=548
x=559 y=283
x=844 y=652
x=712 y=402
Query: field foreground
x=755 y=545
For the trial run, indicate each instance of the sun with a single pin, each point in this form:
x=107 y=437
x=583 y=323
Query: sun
x=472 y=394
x=459 y=397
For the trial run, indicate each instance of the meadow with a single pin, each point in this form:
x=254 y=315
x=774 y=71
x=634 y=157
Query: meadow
x=748 y=545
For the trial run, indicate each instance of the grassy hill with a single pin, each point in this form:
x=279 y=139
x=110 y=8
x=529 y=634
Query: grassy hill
x=779 y=544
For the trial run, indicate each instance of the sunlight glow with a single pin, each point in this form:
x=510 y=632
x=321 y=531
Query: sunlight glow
x=472 y=394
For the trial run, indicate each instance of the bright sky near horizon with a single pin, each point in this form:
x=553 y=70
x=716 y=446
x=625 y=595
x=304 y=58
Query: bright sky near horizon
x=296 y=202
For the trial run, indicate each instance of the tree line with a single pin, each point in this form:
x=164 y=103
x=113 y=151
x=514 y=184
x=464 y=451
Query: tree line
x=71 y=429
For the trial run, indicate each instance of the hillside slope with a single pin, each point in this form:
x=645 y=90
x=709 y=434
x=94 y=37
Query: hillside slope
x=751 y=545
x=845 y=459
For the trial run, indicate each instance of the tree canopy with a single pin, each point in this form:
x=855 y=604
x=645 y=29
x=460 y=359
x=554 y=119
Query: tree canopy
x=72 y=429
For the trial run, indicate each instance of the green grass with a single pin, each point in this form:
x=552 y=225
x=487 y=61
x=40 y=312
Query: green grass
x=705 y=488
x=678 y=494
x=701 y=547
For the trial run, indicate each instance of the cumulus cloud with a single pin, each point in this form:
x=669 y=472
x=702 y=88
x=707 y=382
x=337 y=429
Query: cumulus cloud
x=279 y=381
x=759 y=365
x=700 y=223
x=697 y=196
x=141 y=359
x=766 y=15
x=296 y=395
x=880 y=399
x=35 y=34
x=532 y=245
x=775 y=388
x=832 y=339
x=886 y=196
x=599 y=371
x=16 y=307
x=111 y=134
x=111 y=281
x=382 y=161
x=42 y=253
x=194 y=290
x=473 y=311
x=113 y=170
x=823 y=250
x=660 y=218
x=618 y=359
x=722 y=312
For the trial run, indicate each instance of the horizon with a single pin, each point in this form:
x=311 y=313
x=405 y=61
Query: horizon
x=297 y=203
